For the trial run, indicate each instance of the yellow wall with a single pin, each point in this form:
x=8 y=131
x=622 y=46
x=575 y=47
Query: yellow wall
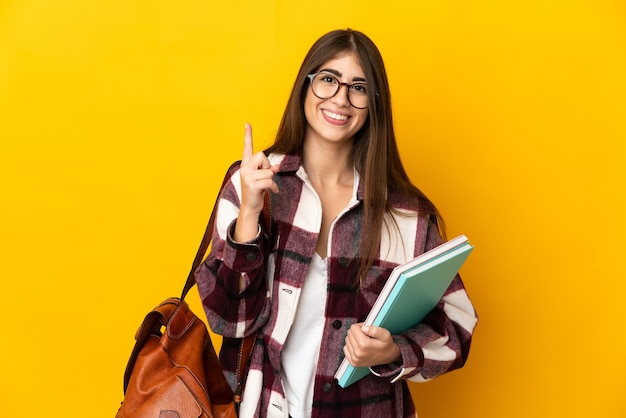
x=118 y=119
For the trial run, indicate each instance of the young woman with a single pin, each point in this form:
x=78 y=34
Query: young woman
x=344 y=214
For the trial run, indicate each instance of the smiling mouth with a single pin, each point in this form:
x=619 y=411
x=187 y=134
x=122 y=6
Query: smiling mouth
x=335 y=116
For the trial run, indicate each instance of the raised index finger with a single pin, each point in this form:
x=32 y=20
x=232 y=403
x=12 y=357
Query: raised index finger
x=248 y=149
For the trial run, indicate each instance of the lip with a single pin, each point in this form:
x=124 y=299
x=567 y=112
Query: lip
x=335 y=117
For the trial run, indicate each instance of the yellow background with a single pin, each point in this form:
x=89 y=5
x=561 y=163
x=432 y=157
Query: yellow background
x=118 y=119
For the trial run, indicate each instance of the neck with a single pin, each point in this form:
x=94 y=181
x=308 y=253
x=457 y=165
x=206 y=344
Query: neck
x=328 y=164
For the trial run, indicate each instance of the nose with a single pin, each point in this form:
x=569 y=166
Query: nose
x=341 y=97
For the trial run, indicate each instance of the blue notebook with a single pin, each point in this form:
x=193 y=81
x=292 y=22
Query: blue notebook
x=411 y=292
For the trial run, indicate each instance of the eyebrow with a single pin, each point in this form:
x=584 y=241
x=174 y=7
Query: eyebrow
x=338 y=74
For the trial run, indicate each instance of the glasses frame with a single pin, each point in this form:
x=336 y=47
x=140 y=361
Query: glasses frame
x=349 y=86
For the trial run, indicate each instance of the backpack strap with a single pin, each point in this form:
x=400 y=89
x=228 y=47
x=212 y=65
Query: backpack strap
x=266 y=225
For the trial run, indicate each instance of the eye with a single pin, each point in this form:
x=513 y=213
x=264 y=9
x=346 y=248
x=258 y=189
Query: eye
x=359 y=88
x=327 y=78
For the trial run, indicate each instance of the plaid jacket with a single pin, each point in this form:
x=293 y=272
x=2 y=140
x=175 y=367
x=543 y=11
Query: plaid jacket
x=269 y=300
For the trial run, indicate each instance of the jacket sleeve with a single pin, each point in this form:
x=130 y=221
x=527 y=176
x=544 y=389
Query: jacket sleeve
x=231 y=280
x=441 y=342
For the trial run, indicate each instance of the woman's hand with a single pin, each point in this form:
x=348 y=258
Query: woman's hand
x=368 y=346
x=256 y=177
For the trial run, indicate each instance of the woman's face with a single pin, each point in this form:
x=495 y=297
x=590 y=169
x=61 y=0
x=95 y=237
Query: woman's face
x=334 y=119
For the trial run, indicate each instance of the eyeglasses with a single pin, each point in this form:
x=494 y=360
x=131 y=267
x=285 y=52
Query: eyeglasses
x=325 y=85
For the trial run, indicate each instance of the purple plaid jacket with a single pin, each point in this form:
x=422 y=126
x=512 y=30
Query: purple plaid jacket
x=268 y=301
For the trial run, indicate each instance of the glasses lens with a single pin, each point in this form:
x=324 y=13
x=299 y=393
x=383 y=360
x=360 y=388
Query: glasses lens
x=357 y=94
x=325 y=85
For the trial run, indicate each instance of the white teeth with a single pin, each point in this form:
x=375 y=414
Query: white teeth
x=335 y=116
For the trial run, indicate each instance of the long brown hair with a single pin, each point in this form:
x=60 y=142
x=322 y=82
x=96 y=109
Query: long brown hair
x=374 y=149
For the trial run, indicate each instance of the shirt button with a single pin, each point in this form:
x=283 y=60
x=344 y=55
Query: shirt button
x=251 y=256
x=327 y=387
x=336 y=324
x=343 y=261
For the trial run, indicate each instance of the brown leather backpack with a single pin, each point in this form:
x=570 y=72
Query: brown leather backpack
x=173 y=370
